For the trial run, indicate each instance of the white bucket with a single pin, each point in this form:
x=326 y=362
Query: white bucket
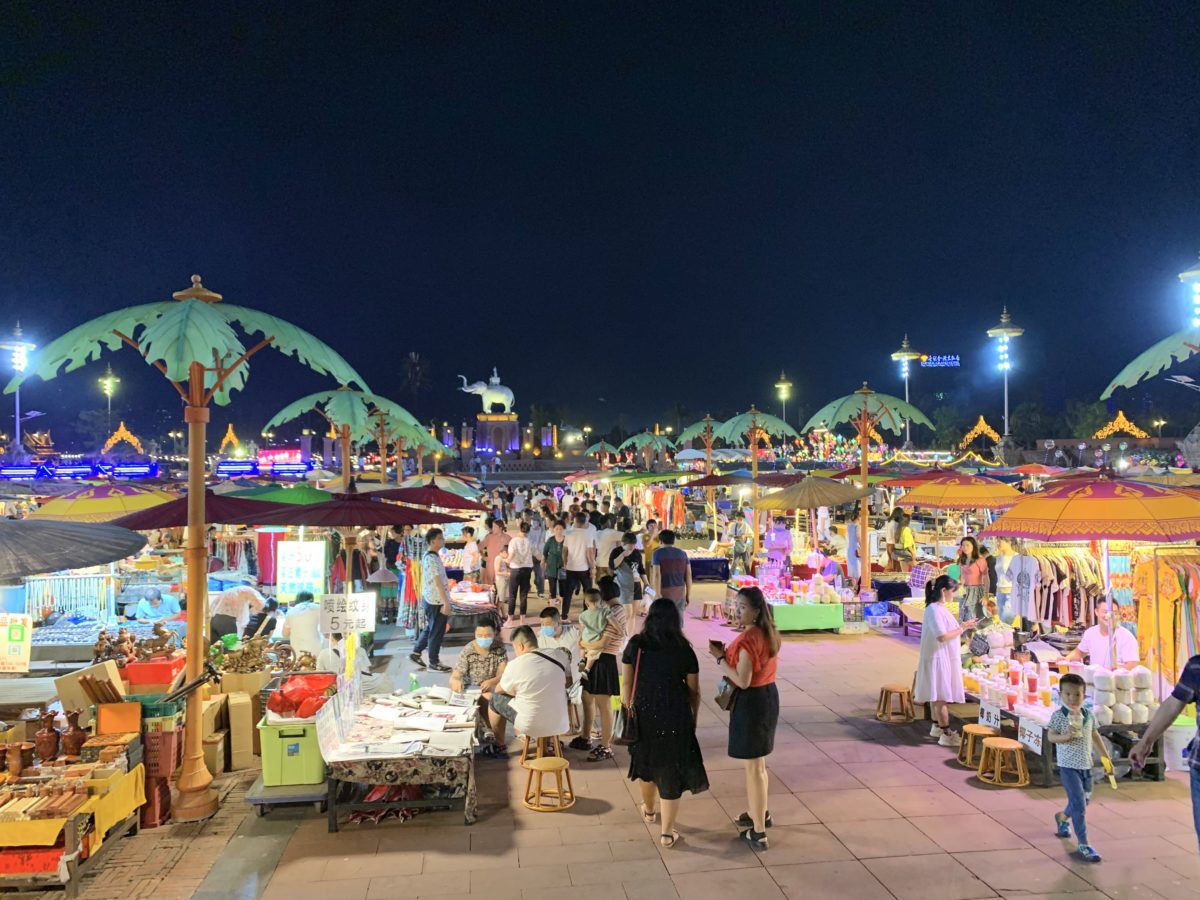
x=1175 y=746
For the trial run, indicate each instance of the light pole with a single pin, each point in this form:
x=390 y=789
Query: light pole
x=783 y=388
x=108 y=384
x=1159 y=423
x=20 y=359
x=1005 y=332
x=906 y=355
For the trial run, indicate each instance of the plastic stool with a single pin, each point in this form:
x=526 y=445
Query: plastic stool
x=967 y=749
x=884 y=711
x=540 y=799
x=544 y=747
x=1003 y=756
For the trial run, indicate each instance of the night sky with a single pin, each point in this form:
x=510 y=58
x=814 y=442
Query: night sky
x=654 y=203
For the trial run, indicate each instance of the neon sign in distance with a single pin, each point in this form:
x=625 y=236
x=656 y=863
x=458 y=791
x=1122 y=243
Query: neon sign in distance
x=951 y=361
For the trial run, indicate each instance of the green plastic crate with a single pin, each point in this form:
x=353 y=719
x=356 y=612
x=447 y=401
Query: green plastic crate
x=153 y=706
x=290 y=754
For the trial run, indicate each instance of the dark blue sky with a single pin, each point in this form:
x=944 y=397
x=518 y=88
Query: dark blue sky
x=650 y=203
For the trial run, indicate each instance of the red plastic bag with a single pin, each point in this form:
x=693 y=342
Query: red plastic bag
x=299 y=688
x=309 y=707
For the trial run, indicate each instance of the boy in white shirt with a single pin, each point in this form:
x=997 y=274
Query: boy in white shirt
x=472 y=558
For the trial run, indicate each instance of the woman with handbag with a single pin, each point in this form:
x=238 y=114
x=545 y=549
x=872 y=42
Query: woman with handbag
x=660 y=697
x=748 y=692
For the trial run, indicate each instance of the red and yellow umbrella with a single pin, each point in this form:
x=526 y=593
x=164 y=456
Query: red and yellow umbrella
x=1102 y=509
x=962 y=492
x=100 y=503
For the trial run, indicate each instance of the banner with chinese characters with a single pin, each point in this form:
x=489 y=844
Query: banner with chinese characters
x=299 y=566
x=16 y=636
x=345 y=613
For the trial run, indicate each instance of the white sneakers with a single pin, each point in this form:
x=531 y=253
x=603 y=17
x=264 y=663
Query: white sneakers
x=950 y=739
x=936 y=730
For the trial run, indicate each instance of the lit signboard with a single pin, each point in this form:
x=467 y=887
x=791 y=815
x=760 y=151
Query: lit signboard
x=940 y=362
x=299 y=566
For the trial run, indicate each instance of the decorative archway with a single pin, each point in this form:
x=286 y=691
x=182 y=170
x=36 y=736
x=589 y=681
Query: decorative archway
x=122 y=434
x=230 y=438
x=981 y=429
x=1120 y=424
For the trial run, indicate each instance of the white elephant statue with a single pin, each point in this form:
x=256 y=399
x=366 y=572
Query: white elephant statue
x=490 y=393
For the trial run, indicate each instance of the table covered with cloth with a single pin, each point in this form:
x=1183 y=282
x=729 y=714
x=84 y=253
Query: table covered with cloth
x=72 y=642
x=451 y=777
x=709 y=568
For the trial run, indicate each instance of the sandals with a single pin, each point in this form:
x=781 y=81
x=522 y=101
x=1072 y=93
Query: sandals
x=648 y=815
x=744 y=820
x=756 y=839
x=669 y=840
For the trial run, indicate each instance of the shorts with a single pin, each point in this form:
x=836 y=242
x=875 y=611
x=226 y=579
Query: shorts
x=501 y=704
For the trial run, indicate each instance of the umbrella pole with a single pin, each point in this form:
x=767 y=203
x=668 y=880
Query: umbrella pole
x=196 y=800
x=345 y=457
x=864 y=513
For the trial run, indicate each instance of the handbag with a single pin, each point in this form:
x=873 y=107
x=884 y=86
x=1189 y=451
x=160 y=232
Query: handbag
x=727 y=694
x=625 y=723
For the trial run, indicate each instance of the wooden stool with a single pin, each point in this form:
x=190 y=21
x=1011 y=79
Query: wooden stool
x=884 y=711
x=967 y=749
x=545 y=747
x=556 y=799
x=1003 y=756
x=713 y=606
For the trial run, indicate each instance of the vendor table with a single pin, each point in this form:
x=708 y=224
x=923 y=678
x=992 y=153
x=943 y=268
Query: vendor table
x=19 y=694
x=891 y=590
x=1123 y=736
x=714 y=569
x=807 y=616
x=453 y=776
x=64 y=642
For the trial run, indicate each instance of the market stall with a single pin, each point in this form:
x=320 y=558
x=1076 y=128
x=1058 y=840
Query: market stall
x=812 y=605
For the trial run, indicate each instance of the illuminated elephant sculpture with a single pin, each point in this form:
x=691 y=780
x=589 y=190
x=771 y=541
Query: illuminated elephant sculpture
x=490 y=393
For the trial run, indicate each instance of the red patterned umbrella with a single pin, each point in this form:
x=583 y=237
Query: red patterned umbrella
x=430 y=495
x=916 y=479
x=351 y=510
x=218 y=510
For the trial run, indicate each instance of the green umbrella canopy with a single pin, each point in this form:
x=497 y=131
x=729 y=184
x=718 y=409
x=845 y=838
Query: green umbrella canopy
x=346 y=406
x=602 y=447
x=695 y=431
x=888 y=410
x=174 y=334
x=300 y=495
x=735 y=430
x=648 y=439
x=1159 y=358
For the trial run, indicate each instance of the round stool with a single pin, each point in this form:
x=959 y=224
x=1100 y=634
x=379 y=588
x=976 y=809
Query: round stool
x=544 y=746
x=884 y=710
x=1003 y=757
x=967 y=749
x=554 y=799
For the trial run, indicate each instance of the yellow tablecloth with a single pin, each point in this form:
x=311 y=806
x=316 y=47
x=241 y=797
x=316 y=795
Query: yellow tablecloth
x=126 y=795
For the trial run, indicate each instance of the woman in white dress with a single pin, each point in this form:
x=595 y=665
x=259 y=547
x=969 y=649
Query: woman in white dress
x=939 y=668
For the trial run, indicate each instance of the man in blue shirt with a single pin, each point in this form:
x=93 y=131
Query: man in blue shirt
x=154 y=607
x=435 y=593
x=1186 y=691
x=672 y=572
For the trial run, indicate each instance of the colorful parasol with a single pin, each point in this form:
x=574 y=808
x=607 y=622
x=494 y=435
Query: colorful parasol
x=874 y=475
x=300 y=495
x=100 y=503
x=963 y=492
x=430 y=495
x=218 y=510
x=1102 y=509
x=456 y=485
x=352 y=510
x=1038 y=469
x=28 y=547
x=916 y=479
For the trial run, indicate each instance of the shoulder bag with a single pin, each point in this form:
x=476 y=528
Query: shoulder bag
x=566 y=674
x=625 y=723
x=727 y=693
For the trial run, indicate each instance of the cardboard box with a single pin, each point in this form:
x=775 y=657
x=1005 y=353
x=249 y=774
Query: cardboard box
x=247 y=683
x=214 y=714
x=72 y=696
x=214 y=751
x=118 y=718
x=241 y=731
x=256 y=706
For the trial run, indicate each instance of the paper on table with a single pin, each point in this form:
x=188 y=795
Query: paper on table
x=401 y=737
x=437 y=692
x=421 y=723
x=383 y=713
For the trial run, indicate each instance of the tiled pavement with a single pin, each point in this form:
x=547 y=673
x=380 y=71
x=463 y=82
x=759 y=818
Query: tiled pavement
x=862 y=810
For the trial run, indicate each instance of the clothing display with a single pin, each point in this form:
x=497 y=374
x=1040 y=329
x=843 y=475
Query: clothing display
x=238 y=553
x=1024 y=575
x=1167 y=627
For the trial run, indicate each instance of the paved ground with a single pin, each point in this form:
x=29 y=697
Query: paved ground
x=862 y=810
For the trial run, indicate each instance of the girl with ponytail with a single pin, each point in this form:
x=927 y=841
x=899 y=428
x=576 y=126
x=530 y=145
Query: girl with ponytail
x=939 y=668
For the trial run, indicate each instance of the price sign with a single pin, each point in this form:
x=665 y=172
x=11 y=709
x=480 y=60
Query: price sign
x=1029 y=733
x=299 y=566
x=16 y=636
x=989 y=715
x=345 y=613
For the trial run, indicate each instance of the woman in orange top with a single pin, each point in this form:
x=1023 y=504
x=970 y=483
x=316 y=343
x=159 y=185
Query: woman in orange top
x=973 y=576
x=749 y=663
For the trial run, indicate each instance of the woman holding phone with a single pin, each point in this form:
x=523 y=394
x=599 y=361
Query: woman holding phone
x=939 y=667
x=749 y=665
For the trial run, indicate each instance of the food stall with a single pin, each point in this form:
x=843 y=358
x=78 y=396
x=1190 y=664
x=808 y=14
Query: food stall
x=812 y=605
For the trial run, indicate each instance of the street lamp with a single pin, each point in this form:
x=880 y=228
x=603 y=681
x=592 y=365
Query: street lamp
x=906 y=355
x=783 y=388
x=1159 y=423
x=108 y=384
x=20 y=359
x=1005 y=332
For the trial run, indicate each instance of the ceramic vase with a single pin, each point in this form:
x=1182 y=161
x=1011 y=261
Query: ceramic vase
x=74 y=736
x=47 y=740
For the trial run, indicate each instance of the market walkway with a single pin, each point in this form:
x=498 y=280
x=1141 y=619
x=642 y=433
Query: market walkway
x=861 y=810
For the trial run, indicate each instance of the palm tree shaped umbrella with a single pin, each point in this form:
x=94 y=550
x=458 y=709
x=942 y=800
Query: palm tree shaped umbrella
x=349 y=413
x=705 y=430
x=750 y=428
x=656 y=442
x=866 y=410
x=191 y=340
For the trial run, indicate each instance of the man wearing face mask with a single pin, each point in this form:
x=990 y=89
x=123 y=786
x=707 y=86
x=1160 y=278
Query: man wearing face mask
x=554 y=634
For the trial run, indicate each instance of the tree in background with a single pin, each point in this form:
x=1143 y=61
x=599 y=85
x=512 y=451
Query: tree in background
x=949 y=426
x=416 y=376
x=1031 y=423
x=1082 y=420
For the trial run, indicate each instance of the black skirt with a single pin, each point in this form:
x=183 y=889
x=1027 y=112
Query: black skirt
x=752 y=722
x=602 y=681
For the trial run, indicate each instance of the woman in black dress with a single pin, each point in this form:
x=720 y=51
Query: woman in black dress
x=661 y=675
